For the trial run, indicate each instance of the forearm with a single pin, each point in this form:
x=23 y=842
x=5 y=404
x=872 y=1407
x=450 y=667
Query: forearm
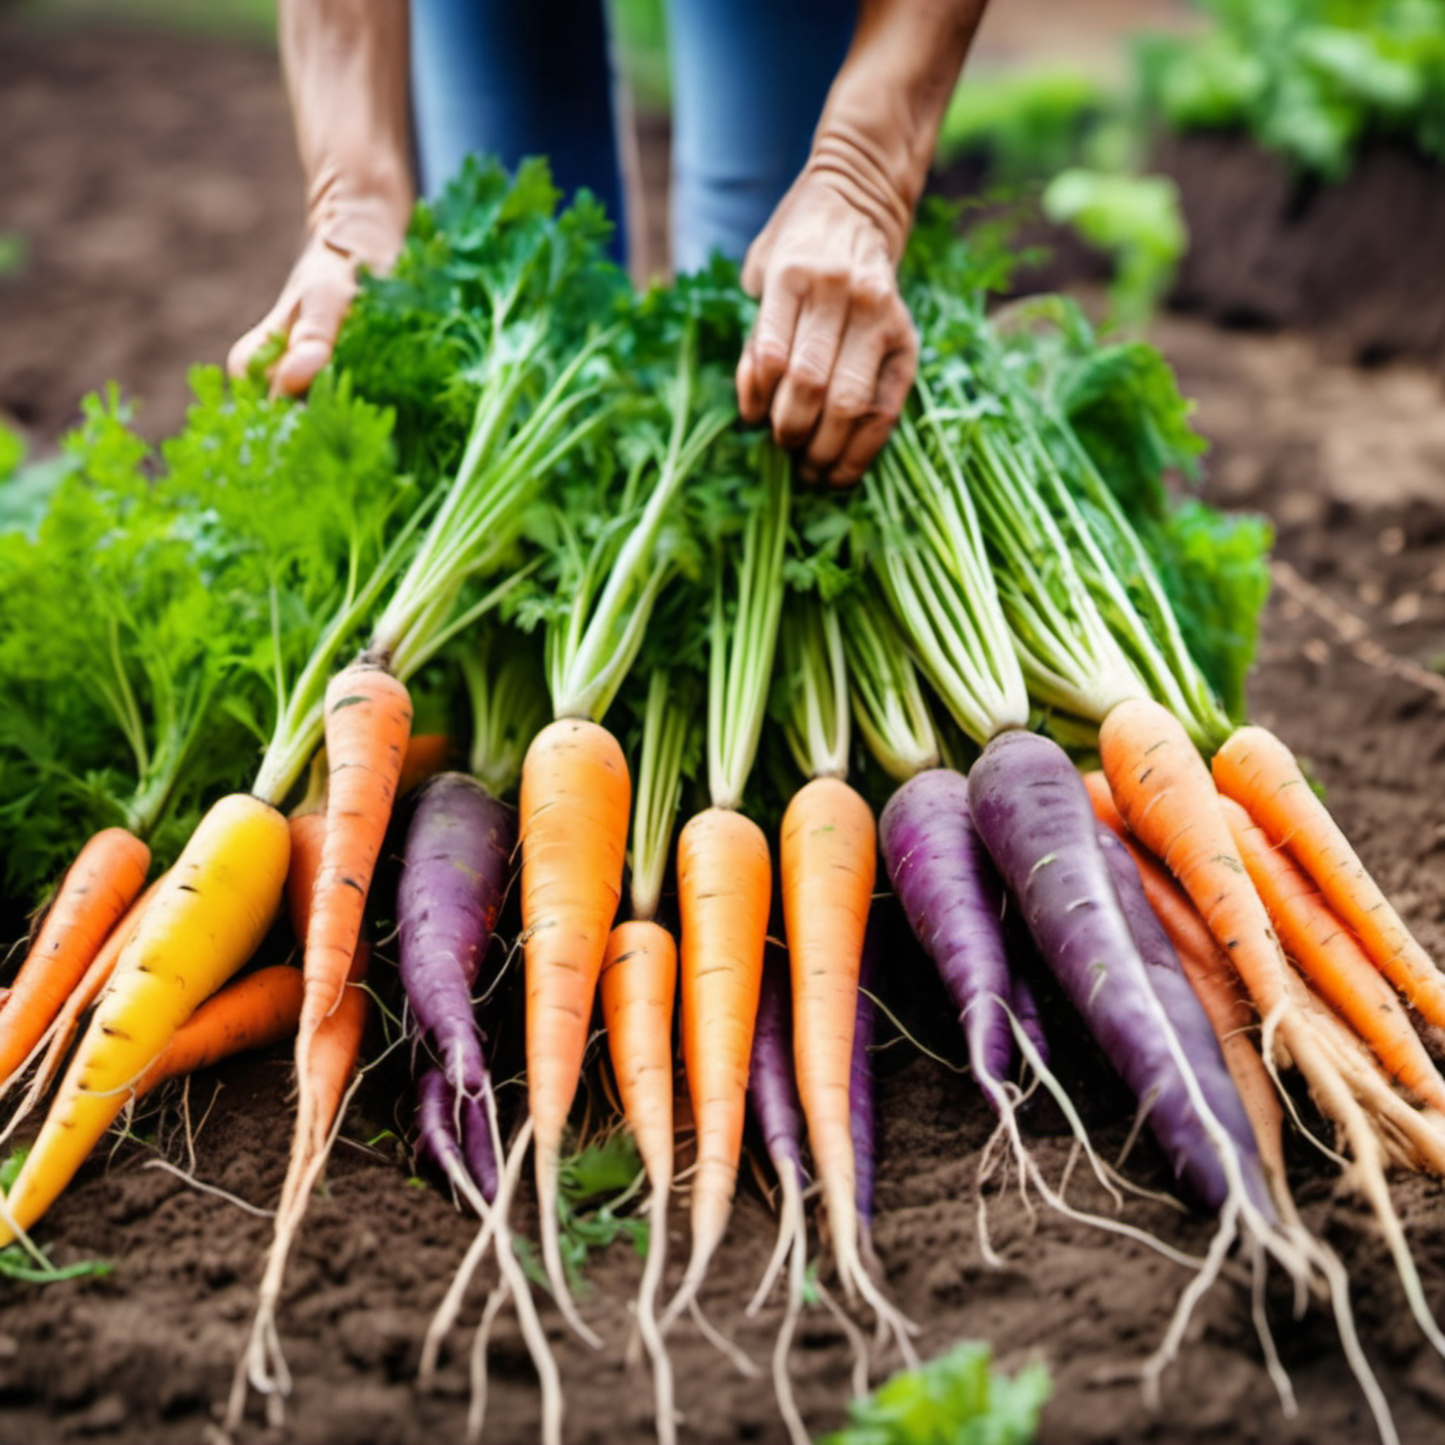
x=345 y=63
x=876 y=138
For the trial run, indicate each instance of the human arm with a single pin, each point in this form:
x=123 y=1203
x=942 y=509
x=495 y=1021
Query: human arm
x=345 y=63
x=833 y=352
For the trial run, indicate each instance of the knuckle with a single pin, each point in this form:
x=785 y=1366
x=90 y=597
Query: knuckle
x=872 y=291
x=807 y=373
x=770 y=356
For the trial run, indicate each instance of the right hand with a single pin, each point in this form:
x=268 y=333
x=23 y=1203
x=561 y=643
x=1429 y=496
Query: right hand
x=314 y=301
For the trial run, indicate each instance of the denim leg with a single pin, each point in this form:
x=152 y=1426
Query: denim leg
x=749 y=78
x=516 y=78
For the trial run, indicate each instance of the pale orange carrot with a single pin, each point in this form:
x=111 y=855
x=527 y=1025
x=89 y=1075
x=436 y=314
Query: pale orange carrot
x=575 y=800
x=828 y=863
x=1261 y=774
x=1330 y=956
x=724 y=887
x=251 y=1012
x=102 y=883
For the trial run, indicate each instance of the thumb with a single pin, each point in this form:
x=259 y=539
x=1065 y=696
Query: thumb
x=324 y=298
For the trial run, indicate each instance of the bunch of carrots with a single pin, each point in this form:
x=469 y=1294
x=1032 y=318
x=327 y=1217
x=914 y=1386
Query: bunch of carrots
x=590 y=535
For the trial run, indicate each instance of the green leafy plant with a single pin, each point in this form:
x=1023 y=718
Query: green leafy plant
x=593 y=1185
x=957 y=1399
x=1136 y=221
x=1310 y=79
x=25 y=1263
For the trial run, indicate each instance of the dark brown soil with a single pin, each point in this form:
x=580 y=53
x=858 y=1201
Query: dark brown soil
x=1357 y=261
x=1351 y=465
x=153 y=180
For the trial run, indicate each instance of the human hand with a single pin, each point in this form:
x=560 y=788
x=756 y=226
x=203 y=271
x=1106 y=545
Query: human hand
x=833 y=352
x=318 y=292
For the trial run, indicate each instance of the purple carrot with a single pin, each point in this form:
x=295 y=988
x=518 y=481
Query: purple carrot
x=1033 y=813
x=1026 y=1010
x=1186 y=1013
x=457 y=865
x=861 y=1113
x=772 y=1088
x=951 y=894
x=453 y=1133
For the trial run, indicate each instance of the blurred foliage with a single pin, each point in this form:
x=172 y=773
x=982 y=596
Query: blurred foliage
x=957 y=1399
x=1309 y=79
x=245 y=19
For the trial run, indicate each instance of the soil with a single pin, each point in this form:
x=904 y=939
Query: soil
x=1357 y=261
x=1351 y=466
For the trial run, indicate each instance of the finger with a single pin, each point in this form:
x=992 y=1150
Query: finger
x=276 y=322
x=798 y=400
x=895 y=380
x=869 y=337
x=326 y=295
x=764 y=361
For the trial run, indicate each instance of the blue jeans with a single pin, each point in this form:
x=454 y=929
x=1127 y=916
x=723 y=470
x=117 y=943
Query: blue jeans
x=532 y=77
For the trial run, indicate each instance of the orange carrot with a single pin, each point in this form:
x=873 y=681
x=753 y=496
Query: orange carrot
x=207 y=918
x=108 y=873
x=1329 y=955
x=1212 y=976
x=575 y=800
x=1261 y=774
x=724 y=886
x=1164 y=792
x=249 y=1013
x=638 y=986
x=1168 y=799
x=828 y=863
x=308 y=838
x=326 y=1059
x=56 y=1040
x=368 y=721
x=426 y=755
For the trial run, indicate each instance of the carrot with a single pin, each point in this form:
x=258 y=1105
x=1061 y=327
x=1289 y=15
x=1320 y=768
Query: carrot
x=56 y=1040
x=108 y=873
x=368 y=720
x=1327 y=953
x=575 y=800
x=250 y=1013
x=638 y=986
x=426 y=755
x=206 y=919
x=325 y=1063
x=1212 y=976
x=1166 y=796
x=308 y=837
x=724 y=887
x=1261 y=774
x=828 y=863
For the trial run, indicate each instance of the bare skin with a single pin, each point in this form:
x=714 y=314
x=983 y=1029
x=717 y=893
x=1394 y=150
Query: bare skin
x=833 y=353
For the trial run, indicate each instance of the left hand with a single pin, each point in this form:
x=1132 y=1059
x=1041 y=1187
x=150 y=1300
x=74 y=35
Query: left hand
x=833 y=352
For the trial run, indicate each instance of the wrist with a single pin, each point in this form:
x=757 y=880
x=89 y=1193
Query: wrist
x=875 y=141
x=362 y=216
